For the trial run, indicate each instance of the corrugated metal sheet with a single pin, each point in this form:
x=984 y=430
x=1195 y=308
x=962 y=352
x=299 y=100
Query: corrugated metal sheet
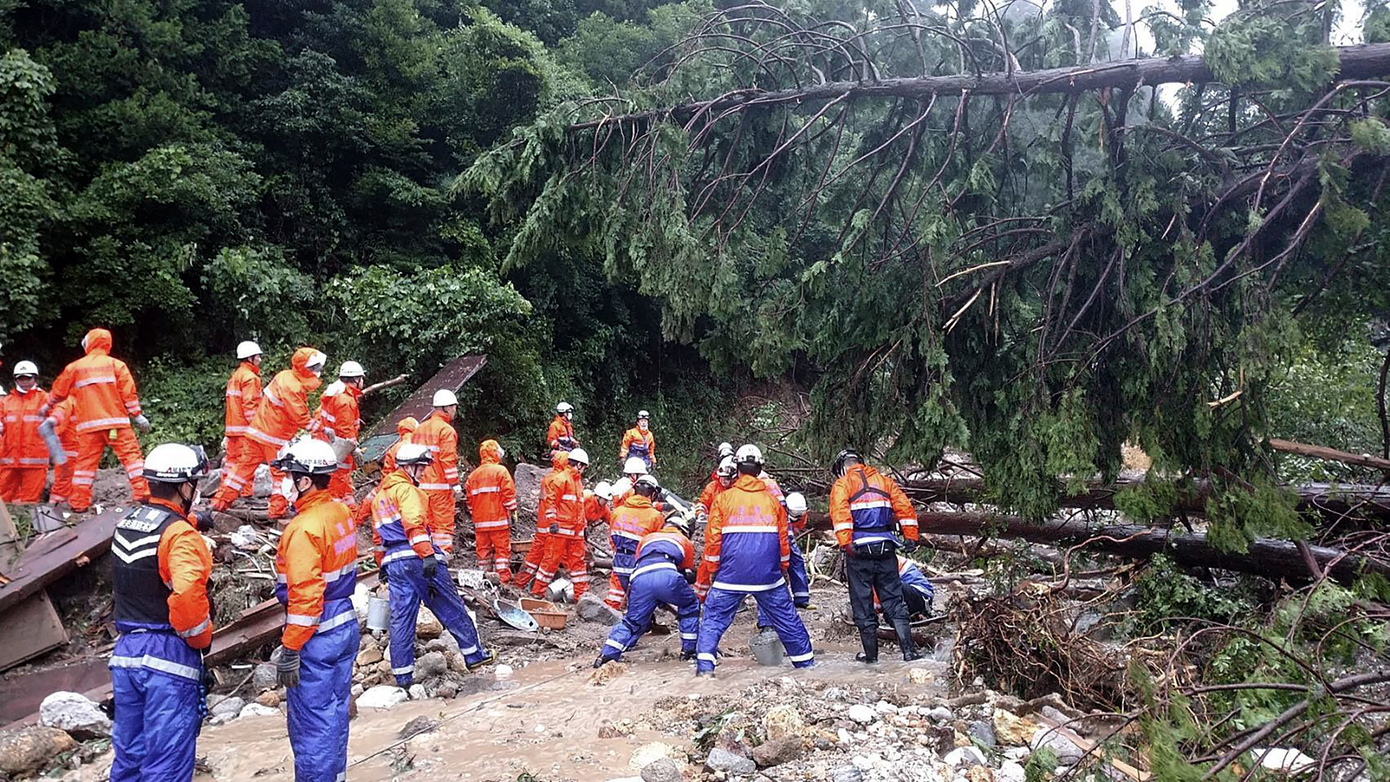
x=452 y=376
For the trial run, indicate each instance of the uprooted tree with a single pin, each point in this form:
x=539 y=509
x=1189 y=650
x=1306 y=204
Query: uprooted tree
x=1030 y=233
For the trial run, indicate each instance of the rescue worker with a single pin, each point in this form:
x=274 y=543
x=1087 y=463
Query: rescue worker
x=338 y=420
x=281 y=413
x=316 y=572
x=633 y=469
x=559 y=464
x=107 y=403
x=404 y=429
x=243 y=397
x=638 y=442
x=746 y=546
x=491 y=496
x=61 y=425
x=723 y=479
x=160 y=570
x=441 y=479
x=662 y=577
x=598 y=504
x=560 y=436
x=564 y=512
x=633 y=520
x=918 y=591
x=866 y=508
x=797 y=578
x=23 y=455
x=411 y=565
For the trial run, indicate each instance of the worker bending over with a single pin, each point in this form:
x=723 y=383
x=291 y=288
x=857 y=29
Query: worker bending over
x=106 y=404
x=545 y=516
x=160 y=569
x=23 y=455
x=563 y=510
x=410 y=564
x=243 y=398
x=867 y=508
x=664 y=560
x=746 y=546
x=316 y=572
x=441 y=479
x=491 y=496
x=633 y=520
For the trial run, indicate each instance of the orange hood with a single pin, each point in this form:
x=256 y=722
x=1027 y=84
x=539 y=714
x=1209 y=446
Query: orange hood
x=491 y=453
x=300 y=364
x=97 y=340
x=406 y=425
x=560 y=460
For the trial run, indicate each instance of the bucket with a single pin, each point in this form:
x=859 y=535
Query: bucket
x=545 y=613
x=767 y=648
x=560 y=591
x=343 y=447
x=378 y=613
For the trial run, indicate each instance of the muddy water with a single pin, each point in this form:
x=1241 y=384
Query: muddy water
x=543 y=721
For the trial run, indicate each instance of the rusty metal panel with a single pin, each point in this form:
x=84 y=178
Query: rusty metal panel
x=53 y=554
x=30 y=628
x=452 y=376
x=20 y=695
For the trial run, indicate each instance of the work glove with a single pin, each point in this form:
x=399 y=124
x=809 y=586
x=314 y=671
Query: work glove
x=554 y=529
x=50 y=441
x=689 y=575
x=141 y=422
x=381 y=574
x=287 y=667
x=202 y=519
x=909 y=546
x=431 y=565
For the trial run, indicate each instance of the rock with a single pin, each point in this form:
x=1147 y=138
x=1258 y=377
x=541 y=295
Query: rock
x=457 y=664
x=1054 y=714
x=1286 y=760
x=720 y=759
x=382 y=697
x=782 y=721
x=415 y=727
x=369 y=656
x=361 y=600
x=76 y=714
x=446 y=690
x=979 y=774
x=30 y=750
x=982 y=732
x=384 y=668
x=661 y=770
x=846 y=774
x=357 y=691
x=431 y=665
x=1011 y=730
x=269 y=698
x=1067 y=753
x=245 y=538
x=229 y=706
x=502 y=672
x=964 y=757
x=445 y=643
x=650 y=752
x=920 y=676
x=528 y=486
x=1010 y=772
x=427 y=625
x=778 y=751
x=940 y=714
x=862 y=714
x=591 y=608
x=417 y=692
x=835 y=694
x=264 y=677
x=257 y=710
x=602 y=676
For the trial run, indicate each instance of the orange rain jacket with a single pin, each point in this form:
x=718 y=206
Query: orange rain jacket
x=561 y=429
x=596 y=510
x=185 y=564
x=243 y=397
x=437 y=434
x=641 y=438
x=746 y=541
x=712 y=490
x=400 y=517
x=21 y=446
x=103 y=387
x=284 y=406
x=860 y=502
x=490 y=491
x=316 y=568
x=64 y=415
x=338 y=411
x=404 y=429
x=561 y=501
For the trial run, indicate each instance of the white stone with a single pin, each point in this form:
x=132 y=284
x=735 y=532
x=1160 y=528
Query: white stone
x=1279 y=759
x=229 y=706
x=1010 y=771
x=1067 y=752
x=862 y=714
x=502 y=672
x=940 y=714
x=245 y=538
x=964 y=757
x=884 y=707
x=74 y=713
x=382 y=697
x=361 y=596
x=1017 y=753
x=417 y=692
x=257 y=710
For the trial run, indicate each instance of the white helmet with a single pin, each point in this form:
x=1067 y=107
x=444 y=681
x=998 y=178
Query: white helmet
x=564 y=407
x=309 y=457
x=603 y=490
x=634 y=466
x=316 y=363
x=726 y=469
x=351 y=369
x=643 y=414
x=579 y=456
x=444 y=398
x=175 y=463
x=796 y=504
x=247 y=349
x=749 y=454
x=622 y=486
x=724 y=450
x=26 y=368
x=410 y=454
x=647 y=486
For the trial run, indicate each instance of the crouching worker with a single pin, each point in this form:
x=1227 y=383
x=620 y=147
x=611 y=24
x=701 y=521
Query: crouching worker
x=661 y=576
x=161 y=569
x=410 y=564
x=918 y=592
x=316 y=572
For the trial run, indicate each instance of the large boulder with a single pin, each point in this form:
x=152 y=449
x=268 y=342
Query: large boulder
x=591 y=608
x=76 y=714
x=778 y=751
x=528 y=487
x=30 y=750
x=382 y=697
x=427 y=625
x=720 y=759
x=782 y=721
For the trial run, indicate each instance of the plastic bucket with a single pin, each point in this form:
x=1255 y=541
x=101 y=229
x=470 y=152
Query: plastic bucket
x=343 y=448
x=560 y=591
x=767 y=648
x=378 y=613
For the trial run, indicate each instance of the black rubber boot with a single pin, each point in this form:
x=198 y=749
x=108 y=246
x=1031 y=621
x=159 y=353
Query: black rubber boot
x=909 y=649
x=869 y=639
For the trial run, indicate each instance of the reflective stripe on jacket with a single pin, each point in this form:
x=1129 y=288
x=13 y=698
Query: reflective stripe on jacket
x=632 y=521
x=867 y=507
x=490 y=491
x=400 y=516
x=316 y=568
x=438 y=435
x=338 y=411
x=661 y=546
x=103 y=387
x=638 y=443
x=179 y=586
x=746 y=538
x=243 y=397
x=560 y=435
x=284 y=405
x=20 y=444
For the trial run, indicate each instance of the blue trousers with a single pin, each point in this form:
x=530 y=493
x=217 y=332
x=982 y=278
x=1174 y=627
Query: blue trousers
x=156 y=726
x=318 y=707
x=797 y=580
x=408 y=590
x=647 y=591
x=775 y=604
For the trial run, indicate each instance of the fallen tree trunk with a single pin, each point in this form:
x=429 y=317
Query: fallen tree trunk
x=1327 y=499
x=1329 y=454
x=1268 y=557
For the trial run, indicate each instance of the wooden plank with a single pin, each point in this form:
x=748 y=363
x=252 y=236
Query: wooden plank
x=30 y=629
x=47 y=561
x=20 y=696
x=11 y=546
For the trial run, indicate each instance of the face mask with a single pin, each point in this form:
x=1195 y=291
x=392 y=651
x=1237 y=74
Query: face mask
x=288 y=489
x=642 y=425
x=501 y=452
